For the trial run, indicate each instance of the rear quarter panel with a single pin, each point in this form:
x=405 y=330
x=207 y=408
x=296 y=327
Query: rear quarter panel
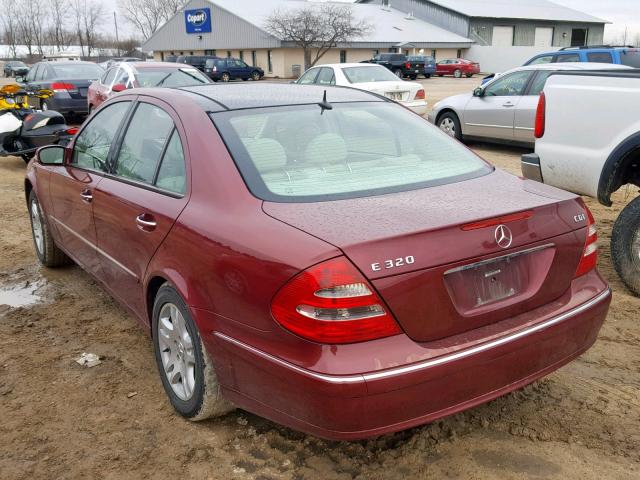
x=586 y=118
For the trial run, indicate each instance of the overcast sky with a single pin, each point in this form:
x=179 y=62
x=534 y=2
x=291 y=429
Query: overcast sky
x=622 y=13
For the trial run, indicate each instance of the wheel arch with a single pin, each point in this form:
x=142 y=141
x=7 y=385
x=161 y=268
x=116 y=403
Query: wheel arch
x=28 y=187
x=621 y=167
x=153 y=285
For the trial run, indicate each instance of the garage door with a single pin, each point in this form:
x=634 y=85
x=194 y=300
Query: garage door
x=502 y=36
x=544 y=36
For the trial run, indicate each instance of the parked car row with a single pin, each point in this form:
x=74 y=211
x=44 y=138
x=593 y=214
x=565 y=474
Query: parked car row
x=411 y=66
x=223 y=69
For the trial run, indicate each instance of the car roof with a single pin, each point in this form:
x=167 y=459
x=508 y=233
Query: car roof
x=347 y=65
x=570 y=66
x=145 y=65
x=241 y=96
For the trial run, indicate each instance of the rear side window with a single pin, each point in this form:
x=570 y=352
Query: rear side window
x=94 y=142
x=599 y=57
x=143 y=144
x=630 y=58
x=172 y=173
x=309 y=76
x=326 y=77
x=569 y=57
x=352 y=150
x=509 y=85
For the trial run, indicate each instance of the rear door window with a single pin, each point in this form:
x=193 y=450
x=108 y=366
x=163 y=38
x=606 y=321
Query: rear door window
x=309 y=76
x=326 y=77
x=143 y=144
x=630 y=57
x=537 y=84
x=600 y=57
x=541 y=60
x=172 y=173
x=92 y=146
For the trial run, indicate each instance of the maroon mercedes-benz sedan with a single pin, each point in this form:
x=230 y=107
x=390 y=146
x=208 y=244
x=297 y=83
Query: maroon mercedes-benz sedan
x=321 y=257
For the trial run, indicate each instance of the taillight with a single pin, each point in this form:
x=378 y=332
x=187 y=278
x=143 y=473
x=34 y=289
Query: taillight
x=333 y=303
x=407 y=65
x=589 y=257
x=72 y=130
x=420 y=94
x=538 y=130
x=62 y=87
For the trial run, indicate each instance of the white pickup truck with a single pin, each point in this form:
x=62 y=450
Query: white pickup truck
x=588 y=141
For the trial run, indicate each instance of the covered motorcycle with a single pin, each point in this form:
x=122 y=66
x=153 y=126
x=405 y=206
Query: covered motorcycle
x=23 y=129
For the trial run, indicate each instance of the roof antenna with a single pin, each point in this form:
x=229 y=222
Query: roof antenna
x=324 y=105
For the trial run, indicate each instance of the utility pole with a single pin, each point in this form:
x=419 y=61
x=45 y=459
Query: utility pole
x=115 y=21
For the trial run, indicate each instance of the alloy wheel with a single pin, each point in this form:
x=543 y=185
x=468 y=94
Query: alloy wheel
x=448 y=126
x=255 y=76
x=36 y=226
x=176 y=351
x=225 y=77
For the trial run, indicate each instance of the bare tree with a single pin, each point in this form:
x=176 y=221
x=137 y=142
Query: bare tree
x=316 y=28
x=59 y=36
x=88 y=16
x=149 y=15
x=10 y=26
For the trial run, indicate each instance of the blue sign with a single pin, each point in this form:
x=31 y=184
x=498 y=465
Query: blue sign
x=198 y=20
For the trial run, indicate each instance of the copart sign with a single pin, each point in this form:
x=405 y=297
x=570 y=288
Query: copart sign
x=198 y=20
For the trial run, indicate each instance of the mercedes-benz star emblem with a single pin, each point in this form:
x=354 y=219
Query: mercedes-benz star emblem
x=504 y=237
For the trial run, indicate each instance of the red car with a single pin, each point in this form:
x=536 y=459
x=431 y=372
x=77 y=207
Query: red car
x=457 y=67
x=125 y=75
x=318 y=255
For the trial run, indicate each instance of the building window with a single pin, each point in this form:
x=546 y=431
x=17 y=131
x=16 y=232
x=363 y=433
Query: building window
x=173 y=53
x=579 y=37
x=190 y=53
x=270 y=61
x=343 y=56
x=242 y=55
x=181 y=53
x=376 y=52
x=211 y=53
x=254 y=58
x=459 y=53
x=228 y=53
x=433 y=53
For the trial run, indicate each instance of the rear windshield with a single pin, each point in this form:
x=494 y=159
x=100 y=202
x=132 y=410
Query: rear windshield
x=373 y=73
x=304 y=154
x=630 y=58
x=82 y=71
x=170 y=77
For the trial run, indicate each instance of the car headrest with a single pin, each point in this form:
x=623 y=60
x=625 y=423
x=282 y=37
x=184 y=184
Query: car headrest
x=266 y=153
x=326 y=148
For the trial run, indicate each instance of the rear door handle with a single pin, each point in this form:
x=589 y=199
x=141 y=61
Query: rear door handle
x=146 y=222
x=508 y=104
x=86 y=196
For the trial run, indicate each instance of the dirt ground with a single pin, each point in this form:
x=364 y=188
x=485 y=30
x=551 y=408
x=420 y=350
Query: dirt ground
x=59 y=420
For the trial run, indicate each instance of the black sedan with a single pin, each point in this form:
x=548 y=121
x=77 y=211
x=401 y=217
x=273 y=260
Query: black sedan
x=15 y=68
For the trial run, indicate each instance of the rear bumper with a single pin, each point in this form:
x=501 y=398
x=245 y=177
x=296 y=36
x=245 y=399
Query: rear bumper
x=68 y=105
x=419 y=107
x=355 y=406
x=531 y=169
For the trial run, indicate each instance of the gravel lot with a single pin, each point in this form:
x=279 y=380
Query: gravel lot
x=60 y=420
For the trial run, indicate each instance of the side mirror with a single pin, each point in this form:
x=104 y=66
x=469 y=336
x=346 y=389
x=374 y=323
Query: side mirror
x=119 y=87
x=50 y=155
x=20 y=79
x=478 y=92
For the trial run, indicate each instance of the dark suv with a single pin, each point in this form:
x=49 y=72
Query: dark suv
x=197 y=61
x=401 y=65
x=226 y=69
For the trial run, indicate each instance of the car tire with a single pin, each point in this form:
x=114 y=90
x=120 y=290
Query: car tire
x=441 y=74
x=457 y=73
x=428 y=75
x=449 y=123
x=625 y=245
x=197 y=396
x=47 y=251
x=469 y=75
x=255 y=76
x=413 y=77
x=398 y=73
x=225 y=77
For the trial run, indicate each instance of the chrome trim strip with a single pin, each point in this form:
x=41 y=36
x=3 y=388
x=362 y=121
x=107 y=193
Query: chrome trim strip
x=510 y=127
x=336 y=379
x=469 y=266
x=92 y=245
x=528 y=129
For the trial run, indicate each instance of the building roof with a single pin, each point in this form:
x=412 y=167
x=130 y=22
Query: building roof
x=522 y=9
x=390 y=26
x=256 y=95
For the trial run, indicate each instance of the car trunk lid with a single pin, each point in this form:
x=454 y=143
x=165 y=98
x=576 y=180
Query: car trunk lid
x=439 y=270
